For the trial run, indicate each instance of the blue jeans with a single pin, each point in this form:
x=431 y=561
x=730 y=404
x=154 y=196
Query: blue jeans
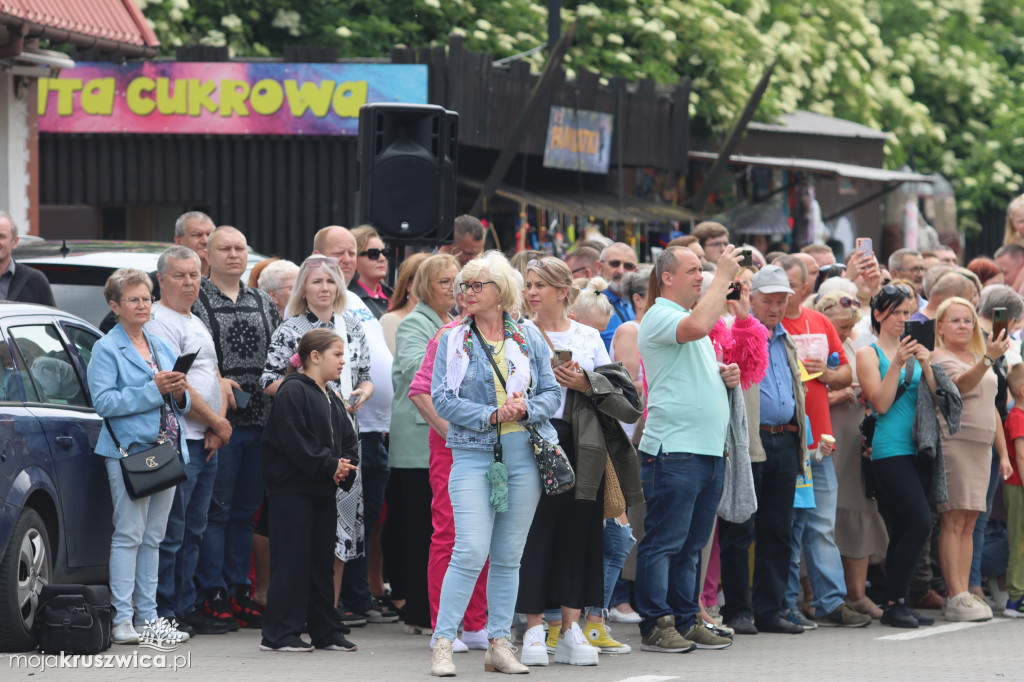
x=814 y=529
x=135 y=547
x=179 y=551
x=479 y=530
x=682 y=491
x=224 y=555
x=373 y=464
x=618 y=542
x=982 y=523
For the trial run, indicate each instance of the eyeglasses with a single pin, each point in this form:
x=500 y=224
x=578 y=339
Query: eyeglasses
x=629 y=266
x=136 y=301
x=375 y=254
x=475 y=286
x=957 y=321
x=319 y=261
x=580 y=269
x=446 y=283
x=919 y=268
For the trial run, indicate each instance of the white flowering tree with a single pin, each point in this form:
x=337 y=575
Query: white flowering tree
x=945 y=76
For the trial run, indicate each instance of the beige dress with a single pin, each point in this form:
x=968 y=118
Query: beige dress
x=860 y=530
x=968 y=453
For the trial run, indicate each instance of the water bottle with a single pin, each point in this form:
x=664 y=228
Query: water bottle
x=833 y=360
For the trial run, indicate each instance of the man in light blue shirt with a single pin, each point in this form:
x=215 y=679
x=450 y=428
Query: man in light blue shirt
x=681 y=461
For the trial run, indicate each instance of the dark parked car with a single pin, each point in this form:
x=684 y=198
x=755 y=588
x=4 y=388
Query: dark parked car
x=55 y=509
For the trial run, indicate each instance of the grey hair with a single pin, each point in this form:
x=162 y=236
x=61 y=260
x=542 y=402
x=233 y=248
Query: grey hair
x=896 y=259
x=667 y=261
x=4 y=215
x=179 y=224
x=933 y=275
x=120 y=280
x=273 y=275
x=1001 y=296
x=838 y=284
x=467 y=224
x=634 y=283
x=615 y=245
x=177 y=253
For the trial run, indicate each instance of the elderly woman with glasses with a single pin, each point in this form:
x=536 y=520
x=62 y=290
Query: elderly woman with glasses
x=860 y=531
x=317 y=302
x=890 y=372
x=407 y=533
x=141 y=401
x=492 y=380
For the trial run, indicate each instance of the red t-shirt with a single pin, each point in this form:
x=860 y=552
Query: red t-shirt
x=1014 y=428
x=807 y=325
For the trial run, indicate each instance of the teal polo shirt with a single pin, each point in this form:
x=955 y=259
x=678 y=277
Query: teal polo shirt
x=687 y=402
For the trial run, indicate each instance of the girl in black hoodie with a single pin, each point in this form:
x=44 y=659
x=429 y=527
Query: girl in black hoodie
x=309 y=449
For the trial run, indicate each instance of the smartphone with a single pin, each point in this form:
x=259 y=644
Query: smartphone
x=748 y=258
x=734 y=292
x=864 y=245
x=1000 y=319
x=353 y=399
x=242 y=398
x=184 y=362
x=922 y=332
x=562 y=356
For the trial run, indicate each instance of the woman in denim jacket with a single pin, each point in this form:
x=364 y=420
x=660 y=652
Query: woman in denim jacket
x=467 y=393
x=131 y=384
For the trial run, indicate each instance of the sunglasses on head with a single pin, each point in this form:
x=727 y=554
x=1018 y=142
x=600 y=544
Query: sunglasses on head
x=539 y=262
x=846 y=302
x=892 y=289
x=626 y=265
x=320 y=261
x=375 y=254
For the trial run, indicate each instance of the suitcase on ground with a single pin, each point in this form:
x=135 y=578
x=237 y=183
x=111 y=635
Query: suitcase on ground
x=74 y=619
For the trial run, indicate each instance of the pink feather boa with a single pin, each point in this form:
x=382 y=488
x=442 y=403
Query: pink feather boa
x=746 y=344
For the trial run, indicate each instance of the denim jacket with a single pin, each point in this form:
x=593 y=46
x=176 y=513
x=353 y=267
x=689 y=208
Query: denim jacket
x=469 y=414
x=124 y=393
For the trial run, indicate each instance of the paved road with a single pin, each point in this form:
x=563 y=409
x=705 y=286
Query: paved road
x=946 y=651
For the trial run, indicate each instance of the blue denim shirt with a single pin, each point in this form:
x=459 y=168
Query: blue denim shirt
x=778 y=404
x=469 y=414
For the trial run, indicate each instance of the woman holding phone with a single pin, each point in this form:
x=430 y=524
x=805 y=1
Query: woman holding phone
x=967 y=359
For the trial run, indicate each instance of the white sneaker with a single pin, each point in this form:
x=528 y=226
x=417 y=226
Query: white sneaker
x=999 y=597
x=124 y=633
x=983 y=604
x=458 y=646
x=964 y=608
x=161 y=631
x=617 y=616
x=573 y=648
x=535 y=651
x=476 y=639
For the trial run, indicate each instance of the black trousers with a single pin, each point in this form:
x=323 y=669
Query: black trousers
x=302 y=531
x=406 y=541
x=903 y=484
x=563 y=561
x=771 y=529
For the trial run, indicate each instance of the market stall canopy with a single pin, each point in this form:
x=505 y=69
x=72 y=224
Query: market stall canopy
x=105 y=25
x=832 y=169
x=598 y=205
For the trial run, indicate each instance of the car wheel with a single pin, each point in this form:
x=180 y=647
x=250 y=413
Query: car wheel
x=24 y=570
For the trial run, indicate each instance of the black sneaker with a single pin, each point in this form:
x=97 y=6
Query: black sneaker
x=922 y=619
x=338 y=644
x=352 y=619
x=216 y=607
x=245 y=611
x=181 y=626
x=293 y=644
x=898 y=616
x=379 y=613
x=202 y=624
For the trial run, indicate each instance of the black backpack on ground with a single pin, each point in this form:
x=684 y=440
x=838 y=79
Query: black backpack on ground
x=74 y=619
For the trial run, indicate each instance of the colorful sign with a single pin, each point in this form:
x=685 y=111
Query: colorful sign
x=223 y=98
x=578 y=140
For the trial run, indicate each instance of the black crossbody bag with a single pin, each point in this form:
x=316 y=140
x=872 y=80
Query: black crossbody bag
x=157 y=468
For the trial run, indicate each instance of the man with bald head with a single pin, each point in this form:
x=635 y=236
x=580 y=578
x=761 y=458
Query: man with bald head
x=616 y=260
x=241 y=320
x=374 y=421
x=813 y=268
x=948 y=285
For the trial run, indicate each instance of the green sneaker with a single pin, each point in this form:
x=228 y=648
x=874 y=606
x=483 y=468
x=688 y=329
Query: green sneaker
x=844 y=617
x=704 y=638
x=665 y=638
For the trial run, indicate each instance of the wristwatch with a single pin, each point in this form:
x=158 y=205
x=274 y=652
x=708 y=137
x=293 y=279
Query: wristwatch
x=989 y=361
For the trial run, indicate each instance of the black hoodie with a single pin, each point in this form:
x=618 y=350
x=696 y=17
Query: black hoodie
x=305 y=436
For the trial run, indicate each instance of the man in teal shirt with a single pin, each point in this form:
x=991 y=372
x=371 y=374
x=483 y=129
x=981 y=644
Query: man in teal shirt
x=683 y=443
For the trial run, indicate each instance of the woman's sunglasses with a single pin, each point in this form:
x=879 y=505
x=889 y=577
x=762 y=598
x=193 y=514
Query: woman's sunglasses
x=375 y=254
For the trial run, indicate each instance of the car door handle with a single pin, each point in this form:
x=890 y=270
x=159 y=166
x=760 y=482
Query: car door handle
x=64 y=441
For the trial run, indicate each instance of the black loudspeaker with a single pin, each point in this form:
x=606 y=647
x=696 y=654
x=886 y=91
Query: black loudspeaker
x=408 y=165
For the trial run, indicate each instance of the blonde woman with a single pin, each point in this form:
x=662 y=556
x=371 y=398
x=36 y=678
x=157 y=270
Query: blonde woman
x=1014 y=233
x=967 y=359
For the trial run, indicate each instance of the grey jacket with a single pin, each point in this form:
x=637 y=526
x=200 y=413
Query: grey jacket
x=926 y=434
x=598 y=433
x=738 y=502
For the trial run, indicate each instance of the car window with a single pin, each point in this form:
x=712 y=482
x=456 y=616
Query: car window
x=49 y=368
x=8 y=376
x=83 y=339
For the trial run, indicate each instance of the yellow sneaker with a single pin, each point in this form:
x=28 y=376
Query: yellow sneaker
x=600 y=636
x=552 y=640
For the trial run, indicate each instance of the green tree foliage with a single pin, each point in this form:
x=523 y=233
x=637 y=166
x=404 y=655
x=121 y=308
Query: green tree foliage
x=946 y=77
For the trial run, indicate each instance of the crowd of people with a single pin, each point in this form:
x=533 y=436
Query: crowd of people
x=359 y=454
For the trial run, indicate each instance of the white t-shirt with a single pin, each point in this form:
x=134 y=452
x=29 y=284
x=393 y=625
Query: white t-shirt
x=587 y=349
x=375 y=415
x=187 y=334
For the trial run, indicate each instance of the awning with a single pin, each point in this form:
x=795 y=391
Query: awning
x=599 y=205
x=106 y=25
x=818 y=167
